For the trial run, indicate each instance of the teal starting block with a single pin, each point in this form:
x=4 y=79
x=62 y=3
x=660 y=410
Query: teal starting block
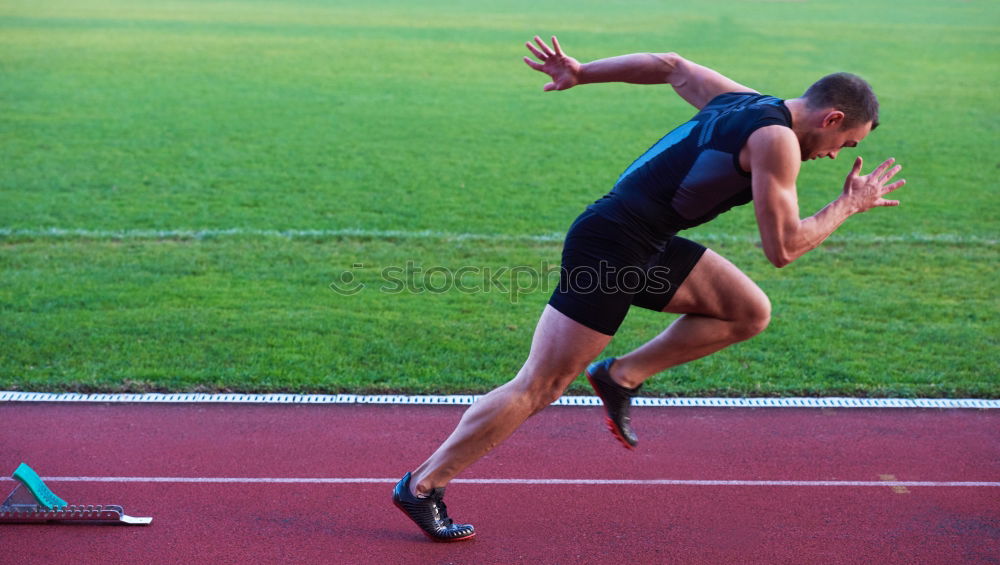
x=33 y=501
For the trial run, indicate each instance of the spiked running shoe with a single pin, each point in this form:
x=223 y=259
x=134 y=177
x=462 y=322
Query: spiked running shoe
x=617 y=401
x=430 y=513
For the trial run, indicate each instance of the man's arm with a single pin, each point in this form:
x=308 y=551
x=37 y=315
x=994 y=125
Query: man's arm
x=775 y=160
x=693 y=82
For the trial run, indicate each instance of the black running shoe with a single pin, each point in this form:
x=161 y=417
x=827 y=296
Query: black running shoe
x=430 y=513
x=617 y=400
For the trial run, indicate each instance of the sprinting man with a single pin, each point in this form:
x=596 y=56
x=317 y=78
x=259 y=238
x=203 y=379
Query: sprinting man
x=623 y=249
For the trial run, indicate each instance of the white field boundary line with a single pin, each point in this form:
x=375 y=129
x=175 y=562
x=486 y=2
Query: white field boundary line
x=620 y=482
x=211 y=233
x=465 y=400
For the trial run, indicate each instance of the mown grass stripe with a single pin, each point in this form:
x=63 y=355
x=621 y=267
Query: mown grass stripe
x=359 y=233
x=465 y=400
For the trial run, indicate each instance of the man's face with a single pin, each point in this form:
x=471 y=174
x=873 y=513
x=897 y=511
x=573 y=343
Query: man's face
x=828 y=139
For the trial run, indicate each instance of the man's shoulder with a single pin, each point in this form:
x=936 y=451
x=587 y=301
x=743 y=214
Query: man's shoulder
x=774 y=134
x=773 y=147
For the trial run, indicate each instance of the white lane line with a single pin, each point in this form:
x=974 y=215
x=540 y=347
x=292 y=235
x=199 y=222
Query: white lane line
x=634 y=482
x=555 y=237
x=465 y=400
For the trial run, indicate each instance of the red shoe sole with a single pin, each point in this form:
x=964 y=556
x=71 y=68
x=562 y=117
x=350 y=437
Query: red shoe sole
x=618 y=435
x=607 y=419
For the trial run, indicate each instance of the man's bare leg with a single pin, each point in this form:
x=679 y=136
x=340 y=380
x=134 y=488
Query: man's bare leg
x=560 y=350
x=721 y=306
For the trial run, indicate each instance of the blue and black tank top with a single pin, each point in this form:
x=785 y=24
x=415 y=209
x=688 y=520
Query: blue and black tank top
x=693 y=173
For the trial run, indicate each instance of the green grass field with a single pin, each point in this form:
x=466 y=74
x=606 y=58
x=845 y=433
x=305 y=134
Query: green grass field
x=183 y=181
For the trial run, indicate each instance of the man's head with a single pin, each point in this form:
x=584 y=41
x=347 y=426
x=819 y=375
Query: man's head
x=847 y=93
x=841 y=110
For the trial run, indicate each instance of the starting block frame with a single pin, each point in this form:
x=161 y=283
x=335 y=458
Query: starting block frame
x=32 y=501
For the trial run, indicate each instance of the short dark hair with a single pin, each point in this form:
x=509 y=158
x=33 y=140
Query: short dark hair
x=848 y=93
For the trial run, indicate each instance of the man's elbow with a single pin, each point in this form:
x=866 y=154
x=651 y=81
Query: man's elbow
x=669 y=62
x=670 y=59
x=778 y=257
x=781 y=262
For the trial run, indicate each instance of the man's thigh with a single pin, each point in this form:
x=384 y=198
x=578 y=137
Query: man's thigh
x=715 y=287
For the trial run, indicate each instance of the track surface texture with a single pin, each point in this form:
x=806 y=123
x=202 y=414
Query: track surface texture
x=528 y=522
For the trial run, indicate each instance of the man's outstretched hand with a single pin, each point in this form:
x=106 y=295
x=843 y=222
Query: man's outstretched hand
x=868 y=191
x=563 y=69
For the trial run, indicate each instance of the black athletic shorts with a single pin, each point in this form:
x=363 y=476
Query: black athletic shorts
x=606 y=269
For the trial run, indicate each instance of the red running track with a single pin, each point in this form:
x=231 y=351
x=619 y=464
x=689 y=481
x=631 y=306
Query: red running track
x=519 y=523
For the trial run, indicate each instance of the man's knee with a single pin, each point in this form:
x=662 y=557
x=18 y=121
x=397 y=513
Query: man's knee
x=554 y=388
x=544 y=387
x=755 y=315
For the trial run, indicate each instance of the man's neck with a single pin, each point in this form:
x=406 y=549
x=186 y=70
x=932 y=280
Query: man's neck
x=799 y=111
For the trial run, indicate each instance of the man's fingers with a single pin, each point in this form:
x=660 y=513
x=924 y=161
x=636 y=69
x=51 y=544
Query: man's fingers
x=856 y=170
x=887 y=176
x=545 y=48
x=549 y=86
x=881 y=168
x=894 y=186
x=884 y=202
x=535 y=51
x=555 y=45
x=533 y=64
